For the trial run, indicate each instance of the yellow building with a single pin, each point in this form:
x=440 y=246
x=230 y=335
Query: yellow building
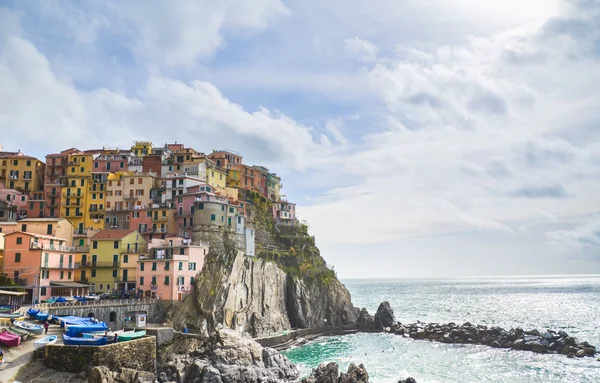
x=113 y=263
x=215 y=176
x=142 y=148
x=234 y=178
x=22 y=172
x=74 y=205
x=163 y=220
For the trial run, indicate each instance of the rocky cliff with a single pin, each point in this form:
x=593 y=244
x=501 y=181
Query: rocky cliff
x=286 y=285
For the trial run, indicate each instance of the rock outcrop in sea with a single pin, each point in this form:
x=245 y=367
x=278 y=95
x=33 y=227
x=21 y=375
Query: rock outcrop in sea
x=225 y=357
x=543 y=342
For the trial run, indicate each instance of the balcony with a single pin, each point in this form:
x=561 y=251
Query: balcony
x=80 y=232
x=125 y=280
x=160 y=219
x=98 y=265
x=131 y=197
x=135 y=249
x=71 y=203
x=66 y=249
x=158 y=230
x=73 y=266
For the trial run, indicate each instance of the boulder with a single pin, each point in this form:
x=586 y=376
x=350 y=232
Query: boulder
x=408 y=380
x=101 y=374
x=384 y=317
x=325 y=373
x=365 y=320
x=355 y=375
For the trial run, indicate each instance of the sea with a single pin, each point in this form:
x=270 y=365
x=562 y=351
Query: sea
x=569 y=303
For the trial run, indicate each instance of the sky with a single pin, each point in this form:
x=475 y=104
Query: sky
x=419 y=138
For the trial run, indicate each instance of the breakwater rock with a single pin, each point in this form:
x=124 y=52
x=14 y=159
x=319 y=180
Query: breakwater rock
x=329 y=373
x=225 y=357
x=545 y=342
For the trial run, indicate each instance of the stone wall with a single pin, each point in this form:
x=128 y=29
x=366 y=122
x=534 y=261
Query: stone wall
x=139 y=354
x=162 y=334
x=102 y=313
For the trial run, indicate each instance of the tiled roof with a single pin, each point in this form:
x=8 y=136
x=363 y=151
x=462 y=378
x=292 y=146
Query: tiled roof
x=112 y=233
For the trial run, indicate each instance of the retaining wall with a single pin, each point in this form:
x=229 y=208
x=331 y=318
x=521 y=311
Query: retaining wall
x=138 y=354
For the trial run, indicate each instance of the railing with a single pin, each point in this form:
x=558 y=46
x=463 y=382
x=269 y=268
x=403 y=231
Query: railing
x=43 y=246
x=135 y=250
x=98 y=265
x=80 y=231
x=100 y=303
x=61 y=267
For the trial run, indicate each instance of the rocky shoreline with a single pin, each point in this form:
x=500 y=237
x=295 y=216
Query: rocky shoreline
x=542 y=342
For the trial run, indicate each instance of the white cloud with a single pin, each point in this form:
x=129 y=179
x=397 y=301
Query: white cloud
x=363 y=49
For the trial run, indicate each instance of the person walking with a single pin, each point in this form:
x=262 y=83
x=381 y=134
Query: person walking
x=46 y=325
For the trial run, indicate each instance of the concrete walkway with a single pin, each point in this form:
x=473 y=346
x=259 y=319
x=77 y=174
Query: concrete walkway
x=17 y=357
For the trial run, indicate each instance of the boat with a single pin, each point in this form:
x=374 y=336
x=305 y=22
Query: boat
x=30 y=328
x=41 y=343
x=75 y=330
x=9 y=339
x=32 y=313
x=6 y=308
x=42 y=317
x=92 y=297
x=51 y=300
x=80 y=299
x=17 y=331
x=110 y=335
x=60 y=300
x=80 y=341
x=131 y=335
x=11 y=315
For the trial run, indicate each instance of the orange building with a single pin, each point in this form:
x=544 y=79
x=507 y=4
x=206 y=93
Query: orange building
x=29 y=258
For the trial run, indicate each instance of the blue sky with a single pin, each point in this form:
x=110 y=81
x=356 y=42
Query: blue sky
x=420 y=138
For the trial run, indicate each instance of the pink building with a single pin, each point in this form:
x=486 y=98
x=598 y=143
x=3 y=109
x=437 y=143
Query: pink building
x=15 y=198
x=284 y=212
x=49 y=259
x=111 y=162
x=169 y=270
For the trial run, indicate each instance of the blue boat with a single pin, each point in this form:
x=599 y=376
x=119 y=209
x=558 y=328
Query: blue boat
x=80 y=341
x=32 y=313
x=77 y=330
x=41 y=343
x=73 y=320
x=42 y=317
x=60 y=300
x=80 y=299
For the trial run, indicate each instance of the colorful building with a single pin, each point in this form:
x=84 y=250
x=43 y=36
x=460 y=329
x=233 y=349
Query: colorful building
x=44 y=260
x=21 y=172
x=169 y=269
x=284 y=212
x=113 y=263
x=142 y=148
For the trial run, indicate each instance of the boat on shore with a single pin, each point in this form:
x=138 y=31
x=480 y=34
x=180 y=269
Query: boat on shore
x=80 y=341
x=110 y=335
x=10 y=315
x=17 y=331
x=32 y=313
x=6 y=308
x=42 y=317
x=9 y=339
x=41 y=343
x=76 y=330
x=131 y=335
x=30 y=328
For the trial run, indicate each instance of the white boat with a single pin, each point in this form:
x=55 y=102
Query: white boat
x=41 y=343
x=109 y=335
x=92 y=297
x=30 y=328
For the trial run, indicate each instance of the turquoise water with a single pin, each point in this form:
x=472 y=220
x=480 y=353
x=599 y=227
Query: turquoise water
x=568 y=303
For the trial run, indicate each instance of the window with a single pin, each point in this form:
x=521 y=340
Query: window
x=116 y=244
x=43 y=291
x=213 y=217
x=62 y=274
x=153 y=266
x=94 y=244
x=19 y=240
x=82 y=169
x=125 y=258
x=69 y=275
x=96 y=166
x=112 y=317
x=141 y=266
x=201 y=206
x=121 y=165
x=166 y=280
x=17 y=257
x=23 y=227
x=28 y=163
x=167 y=265
x=82 y=183
x=139 y=181
x=93 y=195
x=231 y=210
x=222 y=207
x=101 y=286
x=49 y=229
x=153 y=281
x=94 y=275
x=180 y=265
x=115 y=273
x=15 y=162
x=148 y=214
x=191 y=280
x=82 y=159
x=164 y=213
x=141 y=281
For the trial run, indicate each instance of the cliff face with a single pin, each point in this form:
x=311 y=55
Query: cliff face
x=255 y=296
x=286 y=285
